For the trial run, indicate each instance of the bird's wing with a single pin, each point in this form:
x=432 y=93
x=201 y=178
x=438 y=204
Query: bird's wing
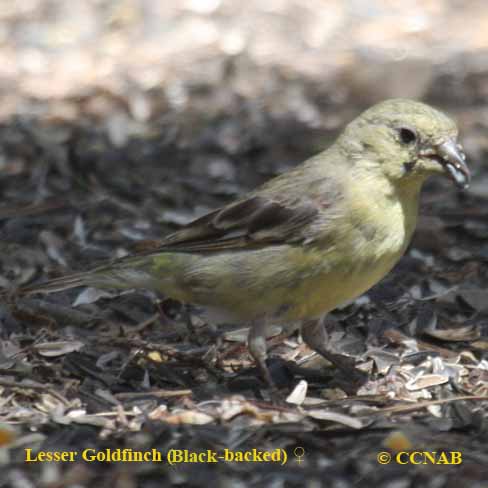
x=247 y=224
x=251 y=223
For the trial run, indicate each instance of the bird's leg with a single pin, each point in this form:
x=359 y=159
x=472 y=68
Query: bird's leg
x=256 y=343
x=313 y=333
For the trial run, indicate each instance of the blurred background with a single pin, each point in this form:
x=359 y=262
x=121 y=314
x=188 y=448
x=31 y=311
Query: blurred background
x=121 y=120
x=129 y=66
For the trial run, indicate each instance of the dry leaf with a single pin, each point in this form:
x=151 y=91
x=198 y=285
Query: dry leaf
x=91 y=295
x=57 y=348
x=336 y=417
x=466 y=333
x=299 y=393
x=426 y=381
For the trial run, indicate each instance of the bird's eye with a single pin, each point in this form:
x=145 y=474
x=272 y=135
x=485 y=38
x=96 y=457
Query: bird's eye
x=407 y=136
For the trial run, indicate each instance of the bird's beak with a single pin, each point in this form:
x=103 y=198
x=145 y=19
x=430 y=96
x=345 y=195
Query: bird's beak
x=453 y=159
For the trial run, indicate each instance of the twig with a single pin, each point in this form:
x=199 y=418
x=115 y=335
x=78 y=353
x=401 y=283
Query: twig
x=421 y=405
x=44 y=388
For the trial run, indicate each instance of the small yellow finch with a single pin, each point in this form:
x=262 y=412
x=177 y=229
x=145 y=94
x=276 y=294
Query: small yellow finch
x=308 y=240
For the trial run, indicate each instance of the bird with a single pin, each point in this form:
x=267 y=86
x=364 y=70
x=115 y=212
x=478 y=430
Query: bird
x=306 y=241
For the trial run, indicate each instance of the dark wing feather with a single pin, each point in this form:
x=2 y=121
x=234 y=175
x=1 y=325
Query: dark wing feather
x=250 y=223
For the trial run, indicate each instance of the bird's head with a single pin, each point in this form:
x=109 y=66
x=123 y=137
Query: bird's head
x=406 y=141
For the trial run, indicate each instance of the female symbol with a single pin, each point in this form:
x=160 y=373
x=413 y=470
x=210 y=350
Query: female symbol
x=299 y=452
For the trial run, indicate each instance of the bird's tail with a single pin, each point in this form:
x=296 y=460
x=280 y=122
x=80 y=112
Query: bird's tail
x=122 y=274
x=58 y=284
x=156 y=272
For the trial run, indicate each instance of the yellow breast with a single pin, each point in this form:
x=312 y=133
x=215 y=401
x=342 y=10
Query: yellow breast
x=374 y=237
